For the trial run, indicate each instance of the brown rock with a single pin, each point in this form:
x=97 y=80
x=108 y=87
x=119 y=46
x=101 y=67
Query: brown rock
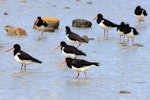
x=12 y=31
x=81 y=23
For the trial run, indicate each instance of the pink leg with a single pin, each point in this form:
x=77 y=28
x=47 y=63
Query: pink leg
x=21 y=66
x=123 y=37
x=132 y=40
x=42 y=33
x=120 y=38
x=85 y=75
x=104 y=33
x=107 y=32
x=78 y=75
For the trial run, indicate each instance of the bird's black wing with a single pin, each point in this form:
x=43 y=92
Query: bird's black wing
x=24 y=56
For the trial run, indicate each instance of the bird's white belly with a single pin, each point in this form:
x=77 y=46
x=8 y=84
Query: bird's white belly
x=23 y=61
x=81 y=69
x=71 y=41
x=41 y=27
x=120 y=33
x=130 y=35
x=139 y=17
x=70 y=55
x=104 y=26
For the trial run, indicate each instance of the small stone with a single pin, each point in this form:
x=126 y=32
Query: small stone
x=89 y=3
x=86 y=38
x=66 y=7
x=124 y=92
x=5 y=13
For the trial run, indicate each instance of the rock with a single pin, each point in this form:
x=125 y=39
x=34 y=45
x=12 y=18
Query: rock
x=12 y=31
x=5 y=13
x=86 y=38
x=53 y=23
x=124 y=92
x=81 y=23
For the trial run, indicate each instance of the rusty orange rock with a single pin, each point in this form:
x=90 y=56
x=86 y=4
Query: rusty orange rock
x=12 y=31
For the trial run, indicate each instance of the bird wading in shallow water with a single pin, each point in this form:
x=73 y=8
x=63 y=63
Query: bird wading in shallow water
x=22 y=56
x=130 y=32
x=105 y=24
x=80 y=65
x=74 y=38
x=41 y=24
x=140 y=13
x=120 y=31
x=70 y=51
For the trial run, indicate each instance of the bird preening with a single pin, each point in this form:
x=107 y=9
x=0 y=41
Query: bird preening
x=140 y=13
x=22 y=56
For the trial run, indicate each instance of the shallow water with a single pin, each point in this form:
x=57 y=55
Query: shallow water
x=123 y=66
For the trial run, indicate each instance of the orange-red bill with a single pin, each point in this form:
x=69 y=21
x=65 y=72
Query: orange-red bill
x=95 y=18
x=36 y=21
x=57 y=47
x=60 y=64
x=12 y=48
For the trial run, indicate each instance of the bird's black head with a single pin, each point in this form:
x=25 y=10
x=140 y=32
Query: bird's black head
x=17 y=47
x=69 y=62
x=63 y=44
x=122 y=24
x=138 y=7
x=39 y=18
x=67 y=29
x=100 y=16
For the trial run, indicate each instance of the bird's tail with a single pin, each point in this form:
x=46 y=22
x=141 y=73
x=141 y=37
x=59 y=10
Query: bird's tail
x=96 y=64
x=115 y=25
x=37 y=61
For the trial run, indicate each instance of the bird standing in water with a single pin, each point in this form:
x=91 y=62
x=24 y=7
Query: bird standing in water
x=41 y=24
x=140 y=13
x=104 y=23
x=74 y=38
x=22 y=56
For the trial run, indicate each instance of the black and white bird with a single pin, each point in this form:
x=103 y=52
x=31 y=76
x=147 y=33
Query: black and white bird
x=80 y=65
x=22 y=56
x=70 y=51
x=130 y=32
x=105 y=24
x=120 y=29
x=140 y=13
x=41 y=24
x=74 y=38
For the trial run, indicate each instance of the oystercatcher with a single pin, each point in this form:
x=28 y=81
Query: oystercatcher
x=74 y=38
x=120 y=29
x=22 y=56
x=80 y=65
x=130 y=32
x=40 y=24
x=104 y=23
x=70 y=51
x=140 y=13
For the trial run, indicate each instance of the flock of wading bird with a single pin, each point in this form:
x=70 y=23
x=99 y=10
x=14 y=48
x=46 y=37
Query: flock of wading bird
x=71 y=52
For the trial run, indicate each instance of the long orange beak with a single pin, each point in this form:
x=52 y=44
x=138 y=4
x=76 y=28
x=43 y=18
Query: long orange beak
x=95 y=18
x=60 y=64
x=36 y=21
x=57 y=47
x=12 y=48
